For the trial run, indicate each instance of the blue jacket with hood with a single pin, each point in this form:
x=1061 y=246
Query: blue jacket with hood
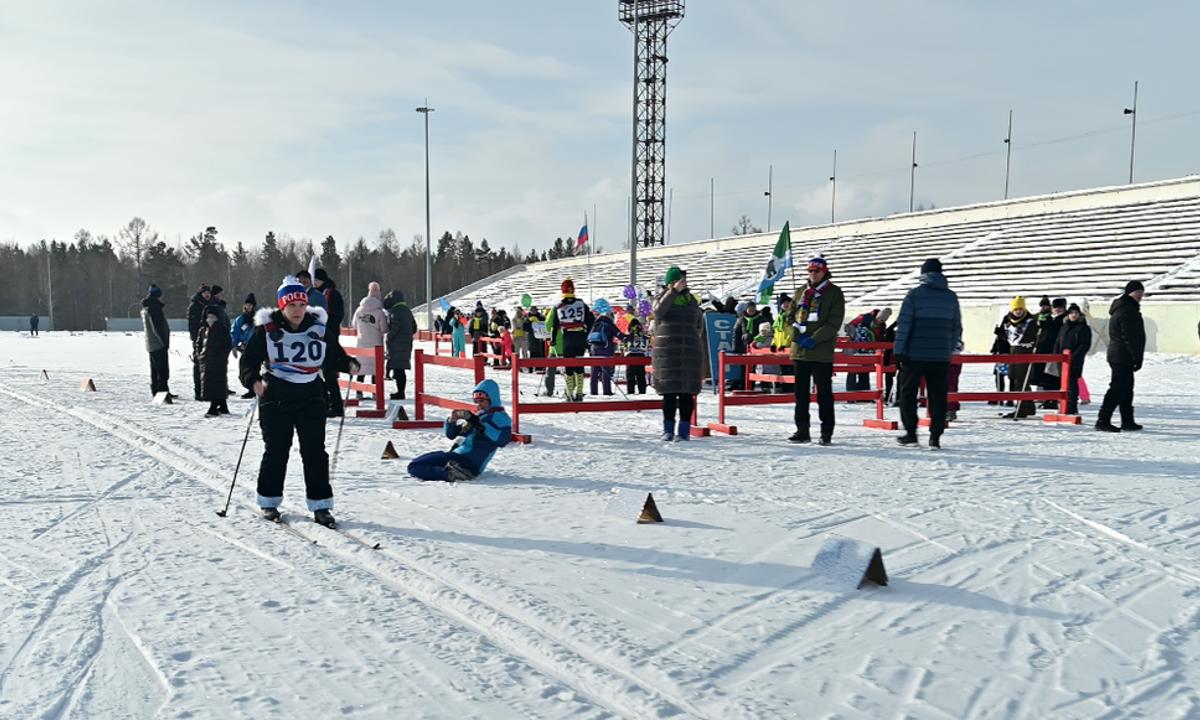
x=930 y=323
x=485 y=433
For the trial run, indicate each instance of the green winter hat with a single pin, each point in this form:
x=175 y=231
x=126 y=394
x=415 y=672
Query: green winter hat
x=674 y=274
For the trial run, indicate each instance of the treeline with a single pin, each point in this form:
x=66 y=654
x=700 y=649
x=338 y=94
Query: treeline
x=96 y=277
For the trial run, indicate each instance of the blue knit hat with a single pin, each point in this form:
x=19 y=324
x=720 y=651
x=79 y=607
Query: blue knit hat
x=154 y=291
x=291 y=291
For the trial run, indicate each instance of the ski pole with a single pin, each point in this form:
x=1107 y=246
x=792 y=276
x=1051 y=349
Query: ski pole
x=245 y=438
x=341 y=424
x=1017 y=409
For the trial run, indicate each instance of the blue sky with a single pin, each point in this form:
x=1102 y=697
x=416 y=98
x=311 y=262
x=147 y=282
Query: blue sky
x=298 y=117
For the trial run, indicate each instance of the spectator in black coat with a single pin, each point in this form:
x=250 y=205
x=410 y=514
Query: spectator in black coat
x=195 y=320
x=402 y=326
x=1049 y=323
x=1126 y=346
x=33 y=325
x=927 y=331
x=158 y=339
x=1076 y=336
x=213 y=346
x=336 y=307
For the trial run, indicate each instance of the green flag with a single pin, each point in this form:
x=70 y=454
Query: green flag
x=781 y=261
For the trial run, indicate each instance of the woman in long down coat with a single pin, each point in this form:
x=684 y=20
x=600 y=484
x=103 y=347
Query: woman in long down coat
x=401 y=328
x=213 y=345
x=370 y=324
x=678 y=354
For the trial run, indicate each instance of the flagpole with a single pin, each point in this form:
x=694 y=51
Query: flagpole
x=591 y=293
x=793 y=268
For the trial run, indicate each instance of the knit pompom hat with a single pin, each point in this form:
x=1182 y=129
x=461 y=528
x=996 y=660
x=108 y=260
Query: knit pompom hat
x=568 y=287
x=1018 y=303
x=290 y=291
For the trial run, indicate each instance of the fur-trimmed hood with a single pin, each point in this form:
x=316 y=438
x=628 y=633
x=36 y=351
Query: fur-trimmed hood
x=266 y=315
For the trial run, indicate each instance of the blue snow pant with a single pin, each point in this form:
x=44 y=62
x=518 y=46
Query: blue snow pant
x=431 y=465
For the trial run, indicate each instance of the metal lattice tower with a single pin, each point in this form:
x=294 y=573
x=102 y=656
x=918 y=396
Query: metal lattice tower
x=651 y=22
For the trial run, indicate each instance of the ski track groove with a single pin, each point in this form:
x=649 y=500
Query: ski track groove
x=551 y=662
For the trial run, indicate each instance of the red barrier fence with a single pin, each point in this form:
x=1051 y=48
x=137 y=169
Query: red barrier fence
x=517 y=408
x=376 y=388
x=874 y=363
x=422 y=398
x=843 y=363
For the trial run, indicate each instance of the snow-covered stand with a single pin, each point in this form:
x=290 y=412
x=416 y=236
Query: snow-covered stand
x=517 y=408
x=421 y=398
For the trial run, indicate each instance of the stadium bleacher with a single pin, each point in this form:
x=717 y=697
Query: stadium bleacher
x=1082 y=244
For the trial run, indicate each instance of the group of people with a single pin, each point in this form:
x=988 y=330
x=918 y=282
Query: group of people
x=568 y=329
x=291 y=355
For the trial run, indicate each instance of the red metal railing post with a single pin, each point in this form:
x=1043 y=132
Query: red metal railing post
x=879 y=385
x=721 y=393
x=419 y=382
x=480 y=361
x=516 y=395
x=380 y=371
x=1064 y=383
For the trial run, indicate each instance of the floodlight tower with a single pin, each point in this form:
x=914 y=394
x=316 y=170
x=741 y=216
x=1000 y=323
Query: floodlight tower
x=651 y=22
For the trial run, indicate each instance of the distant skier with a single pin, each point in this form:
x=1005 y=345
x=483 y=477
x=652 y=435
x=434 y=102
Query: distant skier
x=477 y=436
x=636 y=345
x=569 y=323
x=33 y=325
x=290 y=342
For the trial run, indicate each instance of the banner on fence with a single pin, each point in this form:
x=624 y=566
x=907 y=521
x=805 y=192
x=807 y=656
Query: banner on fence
x=719 y=330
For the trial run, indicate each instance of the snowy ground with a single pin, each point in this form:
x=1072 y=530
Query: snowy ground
x=1036 y=571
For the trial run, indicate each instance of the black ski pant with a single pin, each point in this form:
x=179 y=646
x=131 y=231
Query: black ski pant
x=935 y=375
x=681 y=402
x=196 y=376
x=1119 y=395
x=401 y=379
x=820 y=374
x=160 y=371
x=279 y=420
x=635 y=376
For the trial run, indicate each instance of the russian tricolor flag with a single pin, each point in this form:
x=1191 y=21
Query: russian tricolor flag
x=583 y=237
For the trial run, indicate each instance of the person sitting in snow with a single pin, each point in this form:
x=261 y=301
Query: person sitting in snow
x=476 y=435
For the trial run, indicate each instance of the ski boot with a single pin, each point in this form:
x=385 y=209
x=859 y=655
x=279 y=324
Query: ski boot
x=324 y=517
x=271 y=513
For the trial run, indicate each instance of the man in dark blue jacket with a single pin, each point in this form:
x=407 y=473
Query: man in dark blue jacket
x=929 y=327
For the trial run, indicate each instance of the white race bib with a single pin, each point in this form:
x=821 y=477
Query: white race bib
x=296 y=356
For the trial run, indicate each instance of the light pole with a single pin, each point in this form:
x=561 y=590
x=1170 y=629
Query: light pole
x=770 y=172
x=425 y=110
x=1132 y=112
x=833 y=195
x=912 y=177
x=1008 y=153
x=712 y=207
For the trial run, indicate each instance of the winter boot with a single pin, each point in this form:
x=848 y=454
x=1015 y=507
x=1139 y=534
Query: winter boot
x=324 y=517
x=271 y=513
x=908 y=439
x=458 y=473
x=1107 y=426
x=826 y=440
x=800 y=436
x=668 y=431
x=684 y=433
x=1127 y=422
x=935 y=441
